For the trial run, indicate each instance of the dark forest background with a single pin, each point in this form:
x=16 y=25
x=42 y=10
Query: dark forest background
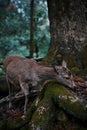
x=15 y=25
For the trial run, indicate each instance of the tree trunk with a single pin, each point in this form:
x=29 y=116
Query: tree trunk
x=68 y=28
x=31 y=43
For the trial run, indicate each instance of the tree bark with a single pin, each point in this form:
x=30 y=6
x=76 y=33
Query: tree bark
x=68 y=28
x=31 y=43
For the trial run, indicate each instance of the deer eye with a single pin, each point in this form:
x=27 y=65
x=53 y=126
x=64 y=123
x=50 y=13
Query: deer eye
x=67 y=77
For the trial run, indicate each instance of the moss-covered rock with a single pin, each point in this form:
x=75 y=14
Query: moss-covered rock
x=67 y=100
x=56 y=98
x=43 y=116
x=70 y=59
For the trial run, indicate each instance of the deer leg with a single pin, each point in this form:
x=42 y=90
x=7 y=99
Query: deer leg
x=25 y=89
x=10 y=99
x=9 y=88
x=26 y=102
x=72 y=81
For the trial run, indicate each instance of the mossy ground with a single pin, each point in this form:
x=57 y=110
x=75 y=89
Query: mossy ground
x=56 y=108
x=57 y=101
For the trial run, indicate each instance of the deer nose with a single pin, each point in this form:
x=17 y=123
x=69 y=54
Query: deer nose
x=66 y=76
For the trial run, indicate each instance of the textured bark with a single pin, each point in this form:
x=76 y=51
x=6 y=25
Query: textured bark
x=31 y=43
x=68 y=27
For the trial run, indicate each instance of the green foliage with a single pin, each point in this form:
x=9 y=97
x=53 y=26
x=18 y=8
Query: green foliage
x=15 y=29
x=41 y=34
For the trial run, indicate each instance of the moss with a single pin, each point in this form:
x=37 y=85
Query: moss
x=70 y=59
x=75 y=70
x=55 y=103
x=43 y=116
x=52 y=88
x=50 y=57
x=67 y=100
x=32 y=109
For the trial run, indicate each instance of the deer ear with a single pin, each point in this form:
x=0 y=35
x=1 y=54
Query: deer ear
x=64 y=64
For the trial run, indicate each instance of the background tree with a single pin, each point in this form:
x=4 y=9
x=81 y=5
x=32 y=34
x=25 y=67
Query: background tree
x=31 y=28
x=15 y=28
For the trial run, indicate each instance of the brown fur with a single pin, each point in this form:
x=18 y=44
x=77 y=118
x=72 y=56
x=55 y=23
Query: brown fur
x=25 y=72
